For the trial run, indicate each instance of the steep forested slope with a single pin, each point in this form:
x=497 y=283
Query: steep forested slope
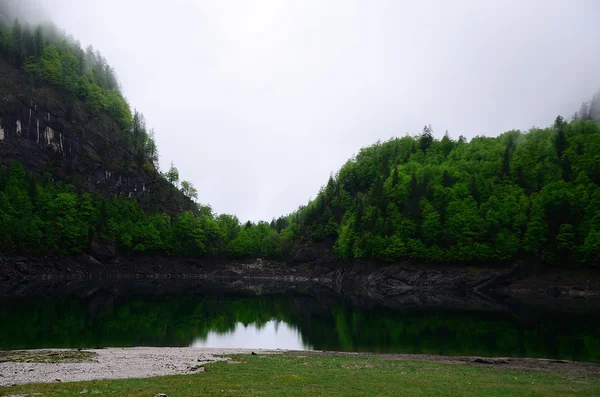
x=71 y=150
x=528 y=195
x=79 y=169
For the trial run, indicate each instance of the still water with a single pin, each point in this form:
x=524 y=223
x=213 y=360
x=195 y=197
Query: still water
x=105 y=318
x=274 y=334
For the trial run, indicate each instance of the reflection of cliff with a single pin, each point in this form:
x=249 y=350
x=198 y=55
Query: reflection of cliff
x=103 y=318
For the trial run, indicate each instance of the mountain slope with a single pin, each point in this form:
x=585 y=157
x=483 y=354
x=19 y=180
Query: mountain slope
x=532 y=195
x=46 y=131
x=78 y=169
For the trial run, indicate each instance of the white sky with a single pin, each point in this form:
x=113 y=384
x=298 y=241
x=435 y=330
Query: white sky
x=257 y=102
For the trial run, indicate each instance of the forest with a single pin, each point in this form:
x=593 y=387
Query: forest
x=522 y=195
x=531 y=195
x=42 y=217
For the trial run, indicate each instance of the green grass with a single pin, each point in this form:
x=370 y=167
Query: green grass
x=313 y=375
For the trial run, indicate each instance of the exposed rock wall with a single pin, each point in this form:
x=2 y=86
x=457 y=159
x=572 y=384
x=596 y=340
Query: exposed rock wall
x=409 y=284
x=47 y=131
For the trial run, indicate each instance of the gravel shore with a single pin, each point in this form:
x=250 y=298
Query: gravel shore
x=115 y=363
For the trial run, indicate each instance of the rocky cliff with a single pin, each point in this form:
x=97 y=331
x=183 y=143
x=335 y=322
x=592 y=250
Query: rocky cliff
x=49 y=131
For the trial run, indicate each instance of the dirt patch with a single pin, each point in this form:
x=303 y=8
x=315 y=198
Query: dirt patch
x=46 y=356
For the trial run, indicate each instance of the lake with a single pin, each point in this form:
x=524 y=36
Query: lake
x=89 y=316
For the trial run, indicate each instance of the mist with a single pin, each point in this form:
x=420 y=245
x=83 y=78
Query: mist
x=256 y=103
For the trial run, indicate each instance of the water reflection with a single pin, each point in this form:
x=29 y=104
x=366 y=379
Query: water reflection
x=290 y=321
x=272 y=335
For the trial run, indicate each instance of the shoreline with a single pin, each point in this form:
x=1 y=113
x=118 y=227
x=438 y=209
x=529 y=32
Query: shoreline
x=404 y=282
x=147 y=362
x=111 y=363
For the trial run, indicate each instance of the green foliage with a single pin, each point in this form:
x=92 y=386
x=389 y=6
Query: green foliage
x=188 y=189
x=256 y=241
x=527 y=195
x=51 y=218
x=188 y=237
x=50 y=65
x=49 y=56
x=172 y=175
x=43 y=218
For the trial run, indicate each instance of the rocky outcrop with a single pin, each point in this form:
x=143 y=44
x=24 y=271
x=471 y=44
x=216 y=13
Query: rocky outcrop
x=104 y=251
x=403 y=286
x=316 y=253
x=48 y=131
x=409 y=284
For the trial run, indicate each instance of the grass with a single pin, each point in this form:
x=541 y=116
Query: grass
x=314 y=375
x=46 y=356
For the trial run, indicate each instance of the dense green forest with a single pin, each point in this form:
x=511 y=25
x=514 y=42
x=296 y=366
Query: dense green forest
x=523 y=195
x=38 y=216
x=531 y=195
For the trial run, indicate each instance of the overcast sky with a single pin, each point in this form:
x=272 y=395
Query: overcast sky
x=256 y=102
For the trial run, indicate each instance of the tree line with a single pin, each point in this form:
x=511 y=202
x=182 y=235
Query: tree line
x=42 y=217
x=523 y=195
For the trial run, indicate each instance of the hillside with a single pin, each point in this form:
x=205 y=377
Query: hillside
x=62 y=112
x=523 y=195
x=70 y=147
x=46 y=131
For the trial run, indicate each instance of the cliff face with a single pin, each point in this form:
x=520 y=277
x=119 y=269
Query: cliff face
x=47 y=131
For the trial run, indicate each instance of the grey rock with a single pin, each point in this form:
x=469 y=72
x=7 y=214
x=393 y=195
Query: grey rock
x=50 y=133
x=102 y=250
x=88 y=260
x=492 y=361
